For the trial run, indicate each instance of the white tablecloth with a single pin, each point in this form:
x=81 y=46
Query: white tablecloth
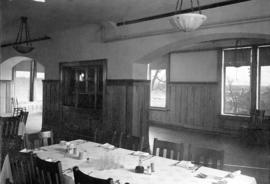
x=123 y=164
x=6 y=171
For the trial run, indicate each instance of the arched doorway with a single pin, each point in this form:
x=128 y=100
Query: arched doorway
x=24 y=76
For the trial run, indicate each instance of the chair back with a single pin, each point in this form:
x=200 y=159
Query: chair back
x=24 y=116
x=256 y=118
x=117 y=139
x=173 y=150
x=22 y=168
x=10 y=126
x=39 y=139
x=81 y=178
x=133 y=143
x=17 y=110
x=48 y=172
x=32 y=141
x=46 y=138
x=206 y=157
x=98 y=135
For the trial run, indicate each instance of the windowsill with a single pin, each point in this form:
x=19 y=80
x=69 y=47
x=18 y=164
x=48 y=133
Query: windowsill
x=158 y=109
x=234 y=117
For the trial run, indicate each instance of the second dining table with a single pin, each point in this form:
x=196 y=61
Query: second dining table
x=118 y=163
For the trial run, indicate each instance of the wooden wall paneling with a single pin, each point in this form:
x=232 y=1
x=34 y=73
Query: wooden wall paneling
x=140 y=110
x=172 y=116
x=51 y=100
x=129 y=107
x=192 y=105
x=108 y=107
x=197 y=101
x=116 y=107
x=184 y=104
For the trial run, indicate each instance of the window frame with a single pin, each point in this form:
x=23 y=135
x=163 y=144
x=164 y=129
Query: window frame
x=258 y=79
x=166 y=108
x=223 y=74
x=254 y=80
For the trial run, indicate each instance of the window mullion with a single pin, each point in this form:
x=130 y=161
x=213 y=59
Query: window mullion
x=253 y=77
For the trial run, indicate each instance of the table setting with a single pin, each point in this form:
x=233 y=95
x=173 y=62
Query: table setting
x=125 y=166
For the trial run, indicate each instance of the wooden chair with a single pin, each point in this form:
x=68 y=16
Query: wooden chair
x=117 y=139
x=133 y=143
x=32 y=141
x=11 y=141
x=81 y=178
x=46 y=138
x=39 y=139
x=48 y=172
x=22 y=168
x=17 y=110
x=10 y=126
x=24 y=116
x=98 y=135
x=206 y=157
x=173 y=150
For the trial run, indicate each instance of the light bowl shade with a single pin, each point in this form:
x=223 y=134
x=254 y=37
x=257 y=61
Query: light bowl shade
x=23 y=49
x=188 y=21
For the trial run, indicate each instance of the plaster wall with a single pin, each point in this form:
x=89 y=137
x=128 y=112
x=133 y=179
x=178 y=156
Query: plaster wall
x=194 y=66
x=129 y=48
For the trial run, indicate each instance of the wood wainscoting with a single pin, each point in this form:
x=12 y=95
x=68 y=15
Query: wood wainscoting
x=51 y=104
x=192 y=105
x=127 y=105
x=126 y=108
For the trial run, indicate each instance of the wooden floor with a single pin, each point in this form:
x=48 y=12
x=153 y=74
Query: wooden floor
x=251 y=160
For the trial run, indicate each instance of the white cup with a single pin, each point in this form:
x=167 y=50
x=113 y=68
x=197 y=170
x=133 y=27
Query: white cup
x=62 y=143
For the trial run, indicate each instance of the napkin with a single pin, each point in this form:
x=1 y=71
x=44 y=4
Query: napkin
x=25 y=150
x=107 y=146
x=140 y=153
x=186 y=164
x=212 y=173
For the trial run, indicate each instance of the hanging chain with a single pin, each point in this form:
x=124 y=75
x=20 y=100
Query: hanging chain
x=199 y=7
x=191 y=5
x=23 y=29
x=179 y=5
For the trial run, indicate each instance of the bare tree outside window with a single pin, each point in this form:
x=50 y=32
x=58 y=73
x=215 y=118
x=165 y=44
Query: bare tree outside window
x=237 y=90
x=158 y=88
x=236 y=81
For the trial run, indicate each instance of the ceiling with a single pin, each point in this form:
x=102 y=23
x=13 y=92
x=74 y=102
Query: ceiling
x=55 y=15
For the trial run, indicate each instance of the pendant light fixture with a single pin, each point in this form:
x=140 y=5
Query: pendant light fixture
x=188 y=21
x=23 y=41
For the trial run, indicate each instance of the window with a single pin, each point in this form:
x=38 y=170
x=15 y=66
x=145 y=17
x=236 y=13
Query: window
x=238 y=65
x=236 y=81
x=158 y=74
x=263 y=89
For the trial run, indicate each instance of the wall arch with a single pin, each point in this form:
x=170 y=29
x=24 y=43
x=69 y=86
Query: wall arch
x=7 y=65
x=150 y=57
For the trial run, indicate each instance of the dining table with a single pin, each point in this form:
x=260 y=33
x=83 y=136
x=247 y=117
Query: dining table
x=106 y=161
